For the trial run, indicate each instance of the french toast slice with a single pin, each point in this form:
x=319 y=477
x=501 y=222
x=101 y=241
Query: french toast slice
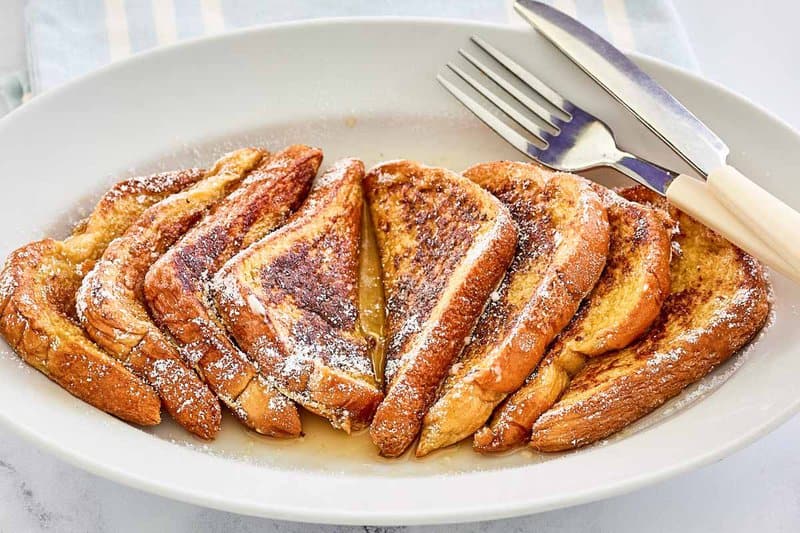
x=623 y=304
x=291 y=302
x=177 y=286
x=110 y=301
x=37 y=302
x=444 y=245
x=719 y=300
x=563 y=243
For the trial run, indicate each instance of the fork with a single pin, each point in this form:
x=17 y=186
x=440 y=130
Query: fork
x=571 y=139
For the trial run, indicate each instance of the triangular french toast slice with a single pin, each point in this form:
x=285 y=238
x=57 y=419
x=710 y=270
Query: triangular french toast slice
x=291 y=302
x=177 y=286
x=719 y=300
x=110 y=301
x=37 y=302
x=562 y=249
x=623 y=304
x=444 y=244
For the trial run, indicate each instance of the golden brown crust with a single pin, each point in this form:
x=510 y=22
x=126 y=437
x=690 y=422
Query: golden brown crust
x=290 y=301
x=623 y=304
x=718 y=301
x=562 y=249
x=177 y=286
x=111 y=306
x=444 y=245
x=37 y=302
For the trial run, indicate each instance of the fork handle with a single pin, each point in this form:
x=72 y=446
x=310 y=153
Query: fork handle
x=745 y=214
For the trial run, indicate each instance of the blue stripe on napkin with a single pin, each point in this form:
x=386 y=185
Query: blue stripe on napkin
x=189 y=19
x=648 y=22
x=66 y=38
x=140 y=16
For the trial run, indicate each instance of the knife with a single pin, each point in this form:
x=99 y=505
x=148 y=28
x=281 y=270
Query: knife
x=761 y=215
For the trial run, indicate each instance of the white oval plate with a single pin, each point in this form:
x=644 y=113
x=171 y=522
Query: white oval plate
x=364 y=88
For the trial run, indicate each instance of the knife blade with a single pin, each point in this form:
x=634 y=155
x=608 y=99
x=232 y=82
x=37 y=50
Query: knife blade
x=665 y=116
x=728 y=201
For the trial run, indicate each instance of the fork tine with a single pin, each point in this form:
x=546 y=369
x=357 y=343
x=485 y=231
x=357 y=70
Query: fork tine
x=512 y=113
x=508 y=133
x=558 y=101
x=521 y=97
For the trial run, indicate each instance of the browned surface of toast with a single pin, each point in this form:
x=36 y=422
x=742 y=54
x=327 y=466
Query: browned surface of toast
x=718 y=302
x=306 y=307
x=110 y=302
x=291 y=302
x=563 y=242
x=177 y=286
x=623 y=304
x=444 y=244
x=37 y=302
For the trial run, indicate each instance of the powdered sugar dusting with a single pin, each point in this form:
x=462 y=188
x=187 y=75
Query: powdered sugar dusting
x=7 y=284
x=255 y=305
x=151 y=185
x=701 y=389
x=93 y=293
x=335 y=173
x=226 y=291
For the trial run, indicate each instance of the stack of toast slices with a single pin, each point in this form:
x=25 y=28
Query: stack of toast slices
x=510 y=305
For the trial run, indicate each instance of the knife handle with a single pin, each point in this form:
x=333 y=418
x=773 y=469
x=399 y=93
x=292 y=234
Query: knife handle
x=702 y=201
x=776 y=223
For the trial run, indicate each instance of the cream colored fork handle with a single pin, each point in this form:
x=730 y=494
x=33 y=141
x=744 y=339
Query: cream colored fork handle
x=700 y=200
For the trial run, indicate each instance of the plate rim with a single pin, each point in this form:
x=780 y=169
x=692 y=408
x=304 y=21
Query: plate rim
x=409 y=517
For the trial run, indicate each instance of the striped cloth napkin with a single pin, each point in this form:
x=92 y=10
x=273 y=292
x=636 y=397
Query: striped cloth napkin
x=68 y=38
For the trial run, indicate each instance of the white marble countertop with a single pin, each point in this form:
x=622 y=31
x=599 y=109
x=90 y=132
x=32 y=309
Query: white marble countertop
x=751 y=50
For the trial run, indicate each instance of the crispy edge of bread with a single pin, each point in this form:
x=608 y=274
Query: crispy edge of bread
x=111 y=306
x=719 y=301
x=37 y=294
x=564 y=240
x=177 y=286
x=623 y=304
x=278 y=326
x=425 y=358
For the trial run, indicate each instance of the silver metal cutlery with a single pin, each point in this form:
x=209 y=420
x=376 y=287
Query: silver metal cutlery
x=571 y=139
